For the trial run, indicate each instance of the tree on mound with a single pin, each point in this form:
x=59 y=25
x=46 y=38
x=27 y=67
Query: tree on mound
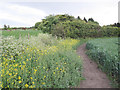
x=85 y=19
x=92 y=20
x=78 y=18
x=69 y=26
x=47 y=24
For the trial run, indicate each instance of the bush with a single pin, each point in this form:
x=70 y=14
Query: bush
x=58 y=30
x=109 y=31
x=68 y=26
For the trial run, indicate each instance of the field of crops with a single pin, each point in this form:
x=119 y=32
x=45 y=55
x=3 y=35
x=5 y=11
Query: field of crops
x=40 y=61
x=105 y=52
x=20 y=33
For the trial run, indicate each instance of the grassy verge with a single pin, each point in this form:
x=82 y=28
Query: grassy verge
x=105 y=52
x=81 y=41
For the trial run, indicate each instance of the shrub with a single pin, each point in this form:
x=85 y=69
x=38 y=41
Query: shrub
x=68 y=26
x=109 y=31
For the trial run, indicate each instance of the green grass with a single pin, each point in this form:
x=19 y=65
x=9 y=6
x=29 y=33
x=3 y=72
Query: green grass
x=82 y=41
x=22 y=33
x=108 y=44
x=105 y=52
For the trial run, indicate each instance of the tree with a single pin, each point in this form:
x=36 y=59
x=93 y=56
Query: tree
x=91 y=19
x=85 y=19
x=8 y=26
x=37 y=24
x=78 y=18
x=117 y=24
x=5 y=27
x=58 y=30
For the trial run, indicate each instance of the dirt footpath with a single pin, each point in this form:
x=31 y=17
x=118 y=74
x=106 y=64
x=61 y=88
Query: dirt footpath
x=95 y=78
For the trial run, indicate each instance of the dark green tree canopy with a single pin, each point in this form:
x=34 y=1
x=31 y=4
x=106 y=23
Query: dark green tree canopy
x=91 y=19
x=85 y=19
x=37 y=24
x=78 y=18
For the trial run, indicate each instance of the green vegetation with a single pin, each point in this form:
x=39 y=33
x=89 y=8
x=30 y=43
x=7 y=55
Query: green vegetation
x=105 y=52
x=40 y=61
x=20 y=33
x=46 y=57
x=68 y=26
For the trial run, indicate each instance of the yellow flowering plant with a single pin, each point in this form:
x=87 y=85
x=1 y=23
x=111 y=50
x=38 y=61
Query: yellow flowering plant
x=45 y=63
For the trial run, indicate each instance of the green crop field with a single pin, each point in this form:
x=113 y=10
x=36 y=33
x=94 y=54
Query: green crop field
x=105 y=52
x=20 y=33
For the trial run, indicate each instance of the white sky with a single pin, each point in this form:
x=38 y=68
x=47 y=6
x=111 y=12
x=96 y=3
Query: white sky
x=24 y=13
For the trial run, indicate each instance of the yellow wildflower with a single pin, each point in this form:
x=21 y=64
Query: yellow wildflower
x=57 y=68
x=44 y=76
x=31 y=78
x=16 y=65
x=35 y=70
x=26 y=85
x=10 y=74
x=19 y=77
x=24 y=62
x=62 y=70
x=43 y=83
x=1 y=85
x=20 y=81
x=43 y=67
x=15 y=69
x=27 y=60
x=33 y=82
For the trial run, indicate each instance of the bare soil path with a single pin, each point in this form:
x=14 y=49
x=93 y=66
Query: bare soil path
x=94 y=77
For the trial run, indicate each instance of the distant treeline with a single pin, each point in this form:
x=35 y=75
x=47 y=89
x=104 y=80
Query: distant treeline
x=69 y=26
x=115 y=25
x=7 y=27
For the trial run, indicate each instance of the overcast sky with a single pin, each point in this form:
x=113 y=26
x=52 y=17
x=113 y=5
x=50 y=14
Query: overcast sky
x=24 y=13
